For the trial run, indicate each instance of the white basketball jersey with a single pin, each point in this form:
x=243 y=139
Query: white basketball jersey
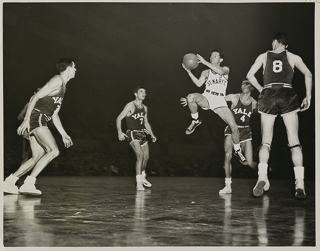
x=216 y=83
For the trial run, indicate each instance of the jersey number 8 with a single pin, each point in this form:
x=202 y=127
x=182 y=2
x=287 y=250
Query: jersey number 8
x=277 y=66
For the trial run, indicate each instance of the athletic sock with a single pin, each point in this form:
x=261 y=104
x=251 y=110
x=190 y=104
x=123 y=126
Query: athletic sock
x=262 y=168
x=228 y=181
x=299 y=172
x=236 y=147
x=195 y=115
x=12 y=179
x=138 y=178
x=30 y=180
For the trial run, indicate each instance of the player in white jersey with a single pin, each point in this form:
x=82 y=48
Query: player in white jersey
x=216 y=80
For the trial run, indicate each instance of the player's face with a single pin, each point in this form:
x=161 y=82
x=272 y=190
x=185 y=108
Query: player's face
x=72 y=70
x=246 y=87
x=141 y=94
x=215 y=57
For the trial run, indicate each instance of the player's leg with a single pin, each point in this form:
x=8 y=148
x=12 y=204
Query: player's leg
x=194 y=100
x=228 y=147
x=226 y=115
x=37 y=153
x=25 y=150
x=292 y=126
x=46 y=140
x=145 y=149
x=248 y=153
x=267 y=124
x=139 y=161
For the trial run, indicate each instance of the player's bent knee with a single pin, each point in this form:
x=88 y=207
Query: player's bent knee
x=190 y=98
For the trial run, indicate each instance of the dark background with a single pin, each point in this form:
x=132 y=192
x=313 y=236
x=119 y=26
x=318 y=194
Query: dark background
x=118 y=46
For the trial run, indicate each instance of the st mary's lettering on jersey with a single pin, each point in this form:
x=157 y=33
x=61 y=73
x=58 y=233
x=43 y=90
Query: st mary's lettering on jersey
x=216 y=83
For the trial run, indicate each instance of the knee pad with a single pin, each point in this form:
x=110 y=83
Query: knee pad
x=297 y=145
x=265 y=144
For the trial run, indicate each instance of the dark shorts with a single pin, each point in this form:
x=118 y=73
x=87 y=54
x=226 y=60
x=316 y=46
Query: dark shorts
x=278 y=100
x=245 y=133
x=37 y=120
x=137 y=135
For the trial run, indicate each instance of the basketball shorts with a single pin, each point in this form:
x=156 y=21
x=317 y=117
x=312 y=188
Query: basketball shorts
x=278 y=101
x=37 y=120
x=215 y=101
x=137 y=135
x=245 y=133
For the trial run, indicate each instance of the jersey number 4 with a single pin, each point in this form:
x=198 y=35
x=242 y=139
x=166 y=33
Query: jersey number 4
x=243 y=118
x=277 y=66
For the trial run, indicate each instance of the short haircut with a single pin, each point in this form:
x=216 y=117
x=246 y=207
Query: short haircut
x=246 y=81
x=139 y=87
x=220 y=54
x=63 y=64
x=282 y=38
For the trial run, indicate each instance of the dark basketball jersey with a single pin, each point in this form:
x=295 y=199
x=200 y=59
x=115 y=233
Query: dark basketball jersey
x=242 y=113
x=136 y=120
x=277 y=69
x=48 y=104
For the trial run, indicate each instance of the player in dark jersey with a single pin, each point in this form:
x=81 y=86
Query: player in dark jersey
x=277 y=97
x=43 y=107
x=242 y=107
x=138 y=128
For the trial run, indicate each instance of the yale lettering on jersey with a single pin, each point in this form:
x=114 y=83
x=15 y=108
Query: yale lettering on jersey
x=57 y=100
x=240 y=111
x=138 y=115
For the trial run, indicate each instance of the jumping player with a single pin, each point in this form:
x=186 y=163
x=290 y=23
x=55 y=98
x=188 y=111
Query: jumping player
x=216 y=80
x=138 y=128
x=43 y=107
x=242 y=107
x=277 y=97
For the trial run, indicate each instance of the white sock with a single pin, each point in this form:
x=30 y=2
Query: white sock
x=143 y=174
x=262 y=168
x=236 y=147
x=30 y=180
x=228 y=181
x=299 y=172
x=12 y=179
x=138 y=178
x=195 y=115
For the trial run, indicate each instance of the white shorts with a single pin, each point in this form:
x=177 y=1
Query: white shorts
x=214 y=101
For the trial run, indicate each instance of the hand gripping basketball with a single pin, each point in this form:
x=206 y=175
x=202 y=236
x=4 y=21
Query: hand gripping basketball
x=190 y=61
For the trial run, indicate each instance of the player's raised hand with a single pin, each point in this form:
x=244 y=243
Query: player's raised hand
x=201 y=59
x=184 y=102
x=184 y=67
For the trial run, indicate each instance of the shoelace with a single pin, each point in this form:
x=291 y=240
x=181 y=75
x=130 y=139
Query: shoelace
x=192 y=124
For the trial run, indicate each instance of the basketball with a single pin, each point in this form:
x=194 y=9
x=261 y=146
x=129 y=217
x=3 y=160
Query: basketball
x=190 y=61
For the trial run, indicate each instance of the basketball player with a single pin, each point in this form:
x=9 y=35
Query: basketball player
x=216 y=80
x=277 y=97
x=138 y=128
x=43 y=107
x=242 y=107
x=26 y=150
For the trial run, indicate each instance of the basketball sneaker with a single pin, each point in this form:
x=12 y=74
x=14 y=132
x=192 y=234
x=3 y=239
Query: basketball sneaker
x=300 y=192
x=140 y=186
x=226 y=190
x=10 y=188
x=29 y=189
x=193 y=125
x=144 y=181
x=261 y=184
x=241 y=157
